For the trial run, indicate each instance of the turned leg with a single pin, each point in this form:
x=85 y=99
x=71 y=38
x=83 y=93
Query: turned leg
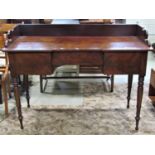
x=26 y=86
x=130 y=78
x=139 y=99
x=112 y=83
x=18 y=103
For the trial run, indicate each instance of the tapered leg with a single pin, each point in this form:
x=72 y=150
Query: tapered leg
x=26 y=85
x=130 y=79
x=112 y=83
x=18 y=103
x=139 y=99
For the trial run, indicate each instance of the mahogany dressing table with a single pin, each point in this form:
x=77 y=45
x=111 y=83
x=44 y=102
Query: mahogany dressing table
x=117 y=49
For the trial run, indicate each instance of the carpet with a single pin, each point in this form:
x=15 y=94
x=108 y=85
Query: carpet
x=102 y=113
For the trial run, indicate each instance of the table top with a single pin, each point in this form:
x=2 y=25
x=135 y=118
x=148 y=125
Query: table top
x=68 y=43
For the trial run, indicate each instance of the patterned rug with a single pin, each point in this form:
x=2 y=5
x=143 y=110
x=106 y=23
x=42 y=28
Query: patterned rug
x=101 y=113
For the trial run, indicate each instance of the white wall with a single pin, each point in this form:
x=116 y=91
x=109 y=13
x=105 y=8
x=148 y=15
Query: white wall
x=148 y=24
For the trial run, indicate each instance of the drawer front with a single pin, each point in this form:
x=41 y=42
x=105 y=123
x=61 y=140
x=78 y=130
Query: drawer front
x=84 y=58
x=30 y=63
x=125 y=63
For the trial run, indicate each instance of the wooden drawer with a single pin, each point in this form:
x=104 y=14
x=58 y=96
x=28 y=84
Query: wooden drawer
x=124 y=63
x=30 y=63
x=84 y=58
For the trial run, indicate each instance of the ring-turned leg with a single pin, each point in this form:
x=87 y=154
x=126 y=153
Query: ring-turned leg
x=130 y=79
x=18 y=103
x=139 y=99
x=26 y=85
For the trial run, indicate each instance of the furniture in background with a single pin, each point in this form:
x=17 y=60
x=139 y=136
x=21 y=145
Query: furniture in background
x=98 y=45
x=152 y=87
x=120 y=21
x=19 y=21
x=0 y=90
x=153 y=45
x=96 y=21
x=5 y=84
x=29 y=21
x=152 y=83
x=4 y=66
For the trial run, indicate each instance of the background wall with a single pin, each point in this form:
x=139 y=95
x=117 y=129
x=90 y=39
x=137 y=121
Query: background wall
x=148 y=24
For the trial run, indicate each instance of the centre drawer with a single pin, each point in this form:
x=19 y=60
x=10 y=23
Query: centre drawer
x=85 y=58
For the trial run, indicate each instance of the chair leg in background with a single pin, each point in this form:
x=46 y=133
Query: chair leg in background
x=41 y=84
x=4 y=92
x=1 y=101
x=112 y=83
x=8 y=86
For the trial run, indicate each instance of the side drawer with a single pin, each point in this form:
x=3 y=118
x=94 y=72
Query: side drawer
x=30 y=63
x=125 y=62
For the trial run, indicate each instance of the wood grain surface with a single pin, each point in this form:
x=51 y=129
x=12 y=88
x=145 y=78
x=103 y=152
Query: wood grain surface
x=52 y=43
